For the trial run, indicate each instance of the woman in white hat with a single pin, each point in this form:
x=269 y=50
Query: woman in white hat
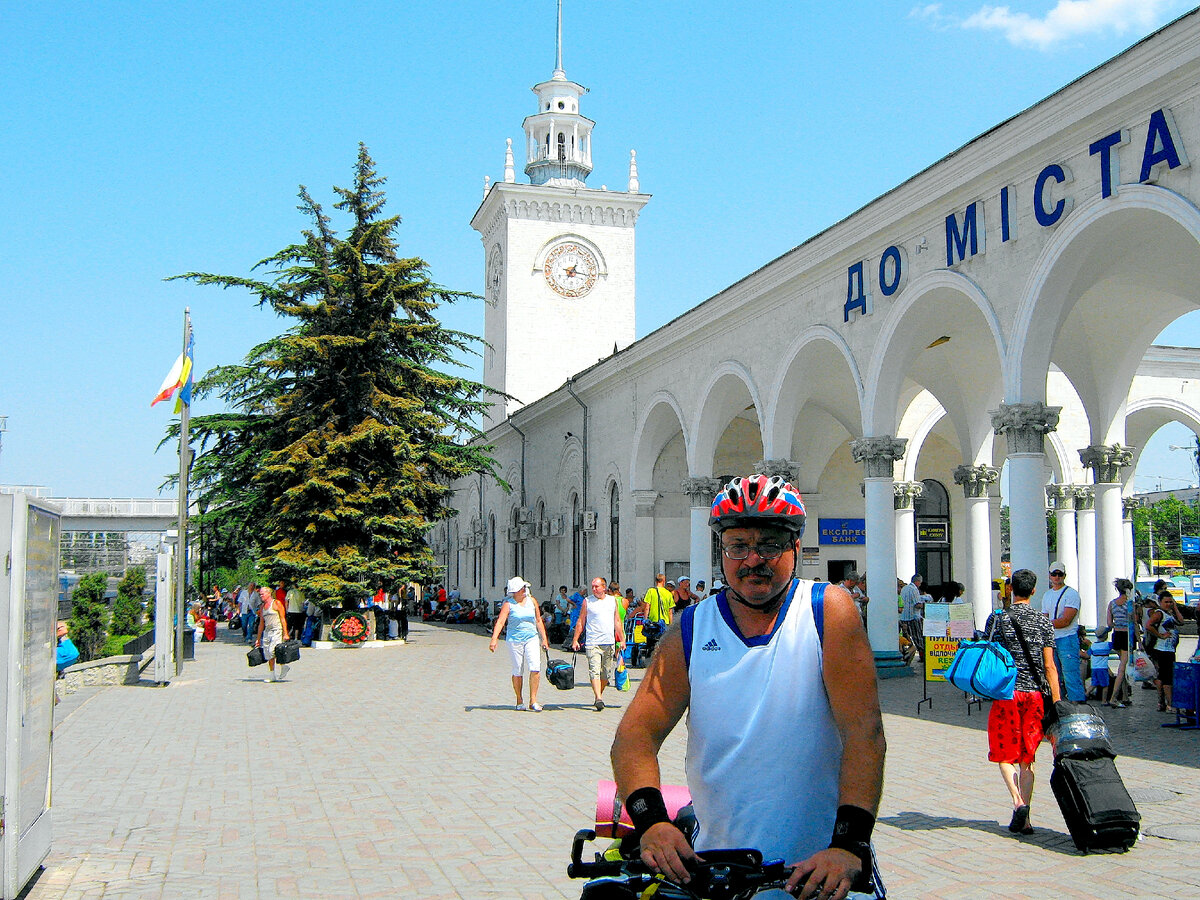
x=525 y=632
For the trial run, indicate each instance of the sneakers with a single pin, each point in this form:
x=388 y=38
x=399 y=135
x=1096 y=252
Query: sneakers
x=268 y=681
x=599 y=704
x=536 y=707
x=521 y=707
x=283 y=670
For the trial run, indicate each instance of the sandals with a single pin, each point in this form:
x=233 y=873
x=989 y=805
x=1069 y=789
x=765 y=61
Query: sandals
x=1020 y=821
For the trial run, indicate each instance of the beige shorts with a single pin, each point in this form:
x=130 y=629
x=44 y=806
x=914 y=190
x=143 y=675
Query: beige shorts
x=600 y=661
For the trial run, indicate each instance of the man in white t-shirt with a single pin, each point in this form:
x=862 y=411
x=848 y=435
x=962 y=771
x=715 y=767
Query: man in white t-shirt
x=1061 y=604
x=605 y=632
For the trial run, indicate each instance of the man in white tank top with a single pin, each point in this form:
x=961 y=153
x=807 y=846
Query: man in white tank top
x=785 y=738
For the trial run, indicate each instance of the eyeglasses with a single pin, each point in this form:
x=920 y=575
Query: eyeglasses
x=768 y=551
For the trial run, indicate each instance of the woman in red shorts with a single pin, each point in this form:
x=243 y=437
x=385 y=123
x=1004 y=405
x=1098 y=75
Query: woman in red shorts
x=1015 y=726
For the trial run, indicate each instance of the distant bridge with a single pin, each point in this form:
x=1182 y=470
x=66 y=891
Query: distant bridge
x=117 y=513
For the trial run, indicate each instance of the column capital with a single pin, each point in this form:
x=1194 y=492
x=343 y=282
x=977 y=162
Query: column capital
x=1024 y=425
x=976 y=479
x=702 y=490
x=643 y=502
x=1085 y=496
x=1105 y=460
x=906 y=493
x=784 y=468
x=878 y=454
x=1060 y=496
x=1129 y=504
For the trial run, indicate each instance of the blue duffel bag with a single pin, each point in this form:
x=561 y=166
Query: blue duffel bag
x=984 y=668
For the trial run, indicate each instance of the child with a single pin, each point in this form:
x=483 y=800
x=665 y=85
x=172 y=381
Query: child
x=1099 y=652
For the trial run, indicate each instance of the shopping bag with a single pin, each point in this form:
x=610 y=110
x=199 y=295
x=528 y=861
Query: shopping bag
x=1141 y=668
x=622 y=677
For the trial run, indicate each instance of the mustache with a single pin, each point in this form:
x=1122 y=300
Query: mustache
x=761 y=569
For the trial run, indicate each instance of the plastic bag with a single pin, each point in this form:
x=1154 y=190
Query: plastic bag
x=622 y=677
x=1140 y=667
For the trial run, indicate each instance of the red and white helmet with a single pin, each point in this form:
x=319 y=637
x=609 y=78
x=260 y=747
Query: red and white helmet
x=757 y=501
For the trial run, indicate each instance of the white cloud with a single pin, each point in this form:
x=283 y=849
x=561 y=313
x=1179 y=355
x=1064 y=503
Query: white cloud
x=1070 y=19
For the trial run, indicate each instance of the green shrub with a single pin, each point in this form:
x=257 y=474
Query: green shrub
x=127 y=610
x=89 y=615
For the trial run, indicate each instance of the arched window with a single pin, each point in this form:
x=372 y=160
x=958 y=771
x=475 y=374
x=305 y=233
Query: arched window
x=614 y=533
x=541 y=517
x=576 y=542
x=562 y=147
x=492 y=530
x=931 y=513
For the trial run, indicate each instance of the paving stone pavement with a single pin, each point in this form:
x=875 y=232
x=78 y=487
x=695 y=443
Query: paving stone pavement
x=405 y=772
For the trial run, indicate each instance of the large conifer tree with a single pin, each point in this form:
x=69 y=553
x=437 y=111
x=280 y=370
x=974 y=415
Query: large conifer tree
x=345 y=431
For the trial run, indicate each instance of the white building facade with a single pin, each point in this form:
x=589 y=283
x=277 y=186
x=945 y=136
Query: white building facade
x=996 y=310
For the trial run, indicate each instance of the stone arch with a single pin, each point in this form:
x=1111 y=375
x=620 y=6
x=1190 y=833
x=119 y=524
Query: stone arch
x=1073 y=310
x=818 y=368
x=939 y=303
x=723 y=399
x=662 y=420
x=1146 y=415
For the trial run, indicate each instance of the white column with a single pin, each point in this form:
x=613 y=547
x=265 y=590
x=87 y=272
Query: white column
x=1105 y=463
x=975 y=481
x=1091 y=594
x=1024 y=426
x=1128 y=505
x=643 y=536
x=878 y=456
x=701 y=491
x=995 y=501
x=1061 y=498
x=906 y=494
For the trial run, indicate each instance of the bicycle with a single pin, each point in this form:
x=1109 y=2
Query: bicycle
x=723 y=875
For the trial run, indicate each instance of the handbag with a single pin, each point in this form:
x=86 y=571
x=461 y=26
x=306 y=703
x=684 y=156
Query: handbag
x=984 y=668
x=1049 y=710
x=256 y=657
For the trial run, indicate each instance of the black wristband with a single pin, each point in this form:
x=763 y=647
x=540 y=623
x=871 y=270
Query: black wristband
x=851 y=828
x=646 y=808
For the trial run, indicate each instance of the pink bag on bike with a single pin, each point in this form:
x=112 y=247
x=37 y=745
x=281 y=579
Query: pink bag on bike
x=613 y=821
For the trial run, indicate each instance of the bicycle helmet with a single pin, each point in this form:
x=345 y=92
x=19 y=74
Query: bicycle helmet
x=757 y=501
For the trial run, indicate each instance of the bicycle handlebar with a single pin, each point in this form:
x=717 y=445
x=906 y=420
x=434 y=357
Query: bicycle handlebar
x=724 y=874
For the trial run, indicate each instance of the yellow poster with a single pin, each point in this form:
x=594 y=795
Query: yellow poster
x=939 y=653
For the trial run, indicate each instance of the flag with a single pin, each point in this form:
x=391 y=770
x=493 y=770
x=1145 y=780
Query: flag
x=180 y=376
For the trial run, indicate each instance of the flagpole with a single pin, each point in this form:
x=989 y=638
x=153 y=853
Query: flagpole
x=185 y=453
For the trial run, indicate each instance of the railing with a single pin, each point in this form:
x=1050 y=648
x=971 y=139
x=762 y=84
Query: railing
x=139 y=644
x=133 y=507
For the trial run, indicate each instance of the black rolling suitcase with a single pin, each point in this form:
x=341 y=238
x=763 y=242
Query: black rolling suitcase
x=1098 y=810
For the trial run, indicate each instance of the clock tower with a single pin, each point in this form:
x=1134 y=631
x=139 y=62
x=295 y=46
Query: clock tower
x=558 y=255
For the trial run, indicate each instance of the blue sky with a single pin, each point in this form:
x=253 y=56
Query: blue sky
x=147 y=139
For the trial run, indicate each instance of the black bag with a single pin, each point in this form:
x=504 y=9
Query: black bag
x=1098 y=810
x=256 y=657
x=287 y=651
x=561 y=673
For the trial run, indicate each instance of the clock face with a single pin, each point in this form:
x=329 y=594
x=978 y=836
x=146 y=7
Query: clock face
x=571 y=269
x=495 y=273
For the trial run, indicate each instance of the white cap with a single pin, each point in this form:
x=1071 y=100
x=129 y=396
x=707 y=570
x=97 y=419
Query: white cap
x=515 y=584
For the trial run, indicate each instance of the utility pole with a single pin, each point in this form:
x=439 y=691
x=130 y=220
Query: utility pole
x=3 y=428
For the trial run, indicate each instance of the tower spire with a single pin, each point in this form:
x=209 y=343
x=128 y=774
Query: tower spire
x=558 y=69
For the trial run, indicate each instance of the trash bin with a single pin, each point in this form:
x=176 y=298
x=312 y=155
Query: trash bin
x=189 y=643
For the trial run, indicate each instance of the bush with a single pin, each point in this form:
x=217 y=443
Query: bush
x=89 y=615
x=114 y=644
x=127 y=610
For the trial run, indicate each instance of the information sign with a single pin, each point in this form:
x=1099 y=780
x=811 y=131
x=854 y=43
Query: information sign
x=939 y=653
